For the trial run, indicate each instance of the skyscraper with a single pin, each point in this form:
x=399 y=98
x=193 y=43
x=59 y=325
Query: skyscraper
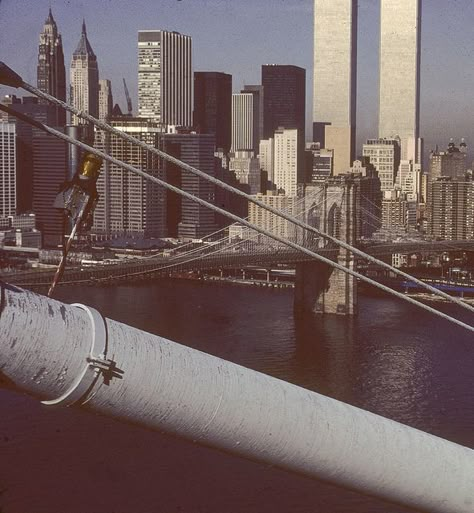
x=266 y=155
x=450 y=163
x=197 y=150
x=130 y=205
x=25 y=165
x=51 y=73
x=246 y=168
x=399 y=109
x=451 y=209
x=105 y=99
x=84 y=79
x=49 y=173
x=384 y=155
x=165 y=80
x=8 y=170
x=212 y=106
x=286 y=160
x=243 y=127
x=284 y=98
x=335 y=77
x=257 y=92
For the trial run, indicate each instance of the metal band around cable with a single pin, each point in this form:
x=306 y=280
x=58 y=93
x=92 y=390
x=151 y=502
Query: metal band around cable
x=95 y=361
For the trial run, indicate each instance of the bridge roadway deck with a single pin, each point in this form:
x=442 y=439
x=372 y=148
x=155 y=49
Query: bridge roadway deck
x=164 y=266
x=267 y=257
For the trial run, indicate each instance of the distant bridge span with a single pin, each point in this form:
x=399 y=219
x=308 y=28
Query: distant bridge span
x=164 y=266
x=221 y=259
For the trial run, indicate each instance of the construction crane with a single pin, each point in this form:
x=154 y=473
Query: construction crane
x=127 y=96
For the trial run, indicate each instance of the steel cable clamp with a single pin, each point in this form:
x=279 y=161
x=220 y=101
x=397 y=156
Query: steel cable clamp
x=96 y=362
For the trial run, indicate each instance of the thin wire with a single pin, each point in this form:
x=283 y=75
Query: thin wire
x=234 y=217
x=249 y=198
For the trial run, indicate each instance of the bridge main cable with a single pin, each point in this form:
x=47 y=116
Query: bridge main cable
x=70 y=355
x=243 y=221
x=10 y=78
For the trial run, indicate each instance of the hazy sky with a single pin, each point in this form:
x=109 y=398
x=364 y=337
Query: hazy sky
x=237 y=36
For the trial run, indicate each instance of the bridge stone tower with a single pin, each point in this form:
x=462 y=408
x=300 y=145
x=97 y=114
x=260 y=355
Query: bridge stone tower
x=331 y=207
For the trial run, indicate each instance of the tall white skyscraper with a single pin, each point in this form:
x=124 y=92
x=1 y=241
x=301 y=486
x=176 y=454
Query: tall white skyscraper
x=84 y=79
x=285 y=170
x=8 y=173
x=335 y=74
x=165 y=78
x=399 y=110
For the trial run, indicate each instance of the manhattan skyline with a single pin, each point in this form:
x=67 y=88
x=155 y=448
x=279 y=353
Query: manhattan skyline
x=237 y=38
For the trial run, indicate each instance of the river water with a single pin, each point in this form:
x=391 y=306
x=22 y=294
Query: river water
x=392 y=359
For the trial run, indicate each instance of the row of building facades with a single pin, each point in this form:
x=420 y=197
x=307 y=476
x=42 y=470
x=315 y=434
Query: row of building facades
x=253 y=139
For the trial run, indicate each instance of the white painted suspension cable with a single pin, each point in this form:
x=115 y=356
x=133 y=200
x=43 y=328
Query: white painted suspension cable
x=234 y=217
x=219 y=183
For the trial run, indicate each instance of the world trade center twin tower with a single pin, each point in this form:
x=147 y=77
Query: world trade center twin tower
x=335 y=76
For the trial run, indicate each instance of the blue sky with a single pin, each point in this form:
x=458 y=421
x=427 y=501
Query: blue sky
x=237 y=36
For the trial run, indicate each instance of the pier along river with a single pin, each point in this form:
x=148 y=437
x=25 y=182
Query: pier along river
x=393 y=359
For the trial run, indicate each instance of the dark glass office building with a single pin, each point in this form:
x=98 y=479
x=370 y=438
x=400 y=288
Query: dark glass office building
x=49 y=173
x=284 y=97
x=212 y=106
x=192 y=221
x=284 y=100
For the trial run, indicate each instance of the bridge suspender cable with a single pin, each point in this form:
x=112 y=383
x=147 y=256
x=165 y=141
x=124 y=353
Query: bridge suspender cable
x=234 y=217
x=9 y=77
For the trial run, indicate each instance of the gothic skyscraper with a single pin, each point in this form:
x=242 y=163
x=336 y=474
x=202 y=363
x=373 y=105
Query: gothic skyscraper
x=84 y=79
x=51 y=73
x=399 y=109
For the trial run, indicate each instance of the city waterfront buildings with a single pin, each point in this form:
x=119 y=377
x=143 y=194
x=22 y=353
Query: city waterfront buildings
x=165 y=79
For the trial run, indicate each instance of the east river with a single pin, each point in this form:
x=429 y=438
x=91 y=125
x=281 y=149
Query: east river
x=393 y=359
